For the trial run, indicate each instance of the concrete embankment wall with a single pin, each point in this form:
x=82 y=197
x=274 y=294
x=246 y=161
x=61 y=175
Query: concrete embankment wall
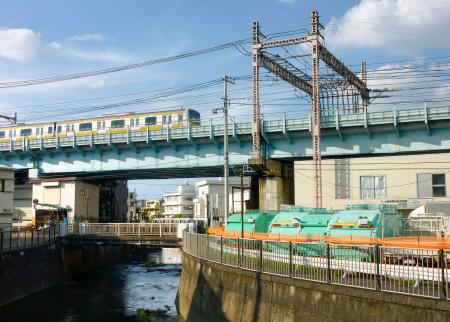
x=213 y=292
x=25 y=272
x=28 y=271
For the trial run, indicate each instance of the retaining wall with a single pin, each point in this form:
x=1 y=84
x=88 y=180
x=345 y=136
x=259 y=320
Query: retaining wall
x=214 y=292
x=24 y=272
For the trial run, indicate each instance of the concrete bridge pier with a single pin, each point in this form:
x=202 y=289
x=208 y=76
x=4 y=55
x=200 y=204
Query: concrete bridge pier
x=276 y=183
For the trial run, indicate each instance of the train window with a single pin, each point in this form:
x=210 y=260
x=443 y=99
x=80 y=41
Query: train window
x=85 y=126
x=37 y=130
x=180 y=117
x=67 y=128
x=167 y=118
x=25 y=132
x=117 y=123
x=103 y=124
x=59 y=129
x=137 y=122
x=132 y=122
x=151 y=120
x=72 y=128
x=50 y=130
x=2 y=134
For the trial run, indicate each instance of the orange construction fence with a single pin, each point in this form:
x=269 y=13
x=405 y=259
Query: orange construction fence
x=427 y=242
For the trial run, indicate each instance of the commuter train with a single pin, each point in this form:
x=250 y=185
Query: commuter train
x=114 y=123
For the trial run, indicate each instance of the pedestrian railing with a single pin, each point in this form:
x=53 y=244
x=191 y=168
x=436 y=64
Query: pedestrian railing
x=413 y=271
x=22 y=239
x=124 y=229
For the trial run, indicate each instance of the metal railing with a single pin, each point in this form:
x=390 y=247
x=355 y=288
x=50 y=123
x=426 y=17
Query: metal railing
x=22 y=239
x=290 y=121
x=124 y=229
x=412 y=271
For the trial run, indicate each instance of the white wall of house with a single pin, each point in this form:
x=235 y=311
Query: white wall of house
x=400 y=179
x=6 y=196
x=210 y=197
x=81 y=197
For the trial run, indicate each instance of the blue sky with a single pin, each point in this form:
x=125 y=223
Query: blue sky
x=42 y=38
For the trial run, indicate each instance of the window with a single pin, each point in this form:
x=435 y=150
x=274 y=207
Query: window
x=180 y=117
x=2 y=134
x=72 y=128
x=59 y=129
x=188 y=207
x=167 y=118
x=431 y=185
x=373 y=187
x=137 y=122
x=25 y=132
x=2 y=185
x=82 y=192
x=132 y=122
x=50 y=130
x=117 y=124
x=151 y=120
x=188 y=199
x=85 y=126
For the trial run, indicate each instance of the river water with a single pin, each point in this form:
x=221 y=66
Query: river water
x=146 y=279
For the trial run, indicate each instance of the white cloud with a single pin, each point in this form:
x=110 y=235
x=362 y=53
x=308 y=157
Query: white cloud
x=95 y=55
x=89 y=37
x=394 y=25
x=19 y=44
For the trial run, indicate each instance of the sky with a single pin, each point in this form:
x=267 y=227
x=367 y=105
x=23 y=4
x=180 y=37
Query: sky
x=46 y=38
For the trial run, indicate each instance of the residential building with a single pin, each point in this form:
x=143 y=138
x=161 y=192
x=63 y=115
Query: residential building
x=113 y=201
x=132 y=205
x=180 y=203
x=76 y=200
x=152 y=208
x=23 y=196
x=405 y=180
x=6 y=197
x=210 y=196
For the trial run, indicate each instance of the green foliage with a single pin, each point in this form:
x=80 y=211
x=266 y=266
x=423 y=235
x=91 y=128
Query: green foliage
x=143 y=316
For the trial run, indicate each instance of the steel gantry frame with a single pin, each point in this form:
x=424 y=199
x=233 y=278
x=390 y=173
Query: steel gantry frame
x=309 y=85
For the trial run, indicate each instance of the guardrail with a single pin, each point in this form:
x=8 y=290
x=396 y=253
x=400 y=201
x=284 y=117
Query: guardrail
x=124 y=229
x=413 y=271
x=288 y=122
x=22 y=239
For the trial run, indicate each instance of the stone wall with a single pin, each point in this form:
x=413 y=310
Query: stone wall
x=213 y=292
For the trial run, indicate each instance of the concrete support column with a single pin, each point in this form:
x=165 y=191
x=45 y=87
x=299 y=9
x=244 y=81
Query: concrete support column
x=276 y=183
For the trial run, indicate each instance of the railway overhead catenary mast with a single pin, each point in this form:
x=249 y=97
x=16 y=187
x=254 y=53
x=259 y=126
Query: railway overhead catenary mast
x=336 y=87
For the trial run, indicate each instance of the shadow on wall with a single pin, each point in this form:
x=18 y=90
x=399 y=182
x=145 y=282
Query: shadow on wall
x=204 y=291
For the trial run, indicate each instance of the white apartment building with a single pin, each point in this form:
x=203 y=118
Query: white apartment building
x=210 y=197
x=180 y=203
x=6 y=197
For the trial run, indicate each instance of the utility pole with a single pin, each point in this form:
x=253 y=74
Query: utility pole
x=316 y=113
x=226 y=189
x=11 y=119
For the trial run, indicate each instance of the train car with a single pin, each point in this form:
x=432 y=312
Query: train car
x=114 y=123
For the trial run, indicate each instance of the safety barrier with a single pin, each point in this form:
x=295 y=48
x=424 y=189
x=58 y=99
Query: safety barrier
x=424 y=242
x=22 y=239
x=413 y=271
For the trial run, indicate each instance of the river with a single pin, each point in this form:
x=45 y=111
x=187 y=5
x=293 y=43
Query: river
x=147 y=279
